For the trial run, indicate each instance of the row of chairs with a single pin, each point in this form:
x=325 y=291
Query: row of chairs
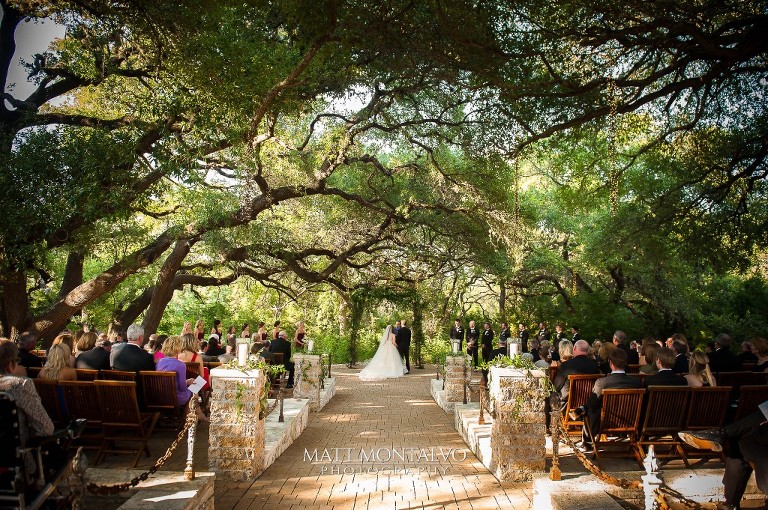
x=643 y=417
x=111 y=409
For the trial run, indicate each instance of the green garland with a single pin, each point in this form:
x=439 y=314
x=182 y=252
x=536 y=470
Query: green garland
x=522 y=364
x=250 y=366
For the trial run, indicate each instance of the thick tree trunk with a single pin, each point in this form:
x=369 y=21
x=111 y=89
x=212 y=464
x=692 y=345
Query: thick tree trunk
x=124 y=318
x=73 y=273
x=15 y=302
x=502 y=302
x=56 y=318
x=164 y=287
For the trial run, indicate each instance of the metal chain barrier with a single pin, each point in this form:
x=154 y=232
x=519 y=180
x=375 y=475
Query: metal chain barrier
x=103 y=490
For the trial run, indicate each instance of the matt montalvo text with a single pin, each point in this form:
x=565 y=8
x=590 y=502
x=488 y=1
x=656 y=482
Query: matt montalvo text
x=392 y=460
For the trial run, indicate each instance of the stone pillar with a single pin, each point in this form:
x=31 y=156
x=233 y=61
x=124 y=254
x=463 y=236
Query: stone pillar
x=236 y=444
x=458 y=370
x=518 y=433
x=307 y=374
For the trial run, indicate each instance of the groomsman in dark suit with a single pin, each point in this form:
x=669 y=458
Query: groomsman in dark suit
x=487 y=341
x=457 y=333
x=522 y=334
x=665 y=361
x=473 y=338
x=403 y=341
x=575 y=332
x=504 y=335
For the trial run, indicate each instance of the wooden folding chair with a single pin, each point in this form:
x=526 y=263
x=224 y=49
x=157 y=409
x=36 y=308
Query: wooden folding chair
x=117 y=375
x=633 y=368
x=86 y=374
x=735 y=380
x=159 y=390
x=82 y=401
x=193 y=369
x=49 y=395
x=665 y=413
x=707 y=408
x=122 y=420
x=619 y=419
x=751 y=396
x=580 y=387
x=552 y=370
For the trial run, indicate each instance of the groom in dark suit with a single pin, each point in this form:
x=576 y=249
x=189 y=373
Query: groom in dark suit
x=403 y=341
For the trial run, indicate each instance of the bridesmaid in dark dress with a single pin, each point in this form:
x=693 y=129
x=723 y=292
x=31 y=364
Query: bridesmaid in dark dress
x=276 y=330
x=298 y=339
x=262 y=332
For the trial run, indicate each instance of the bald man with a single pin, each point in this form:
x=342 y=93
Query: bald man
x=581 y=363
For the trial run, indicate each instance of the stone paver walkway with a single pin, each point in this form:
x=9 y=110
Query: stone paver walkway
x=394 y=418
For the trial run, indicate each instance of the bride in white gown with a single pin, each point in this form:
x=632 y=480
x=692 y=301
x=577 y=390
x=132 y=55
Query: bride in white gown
x=386 y=363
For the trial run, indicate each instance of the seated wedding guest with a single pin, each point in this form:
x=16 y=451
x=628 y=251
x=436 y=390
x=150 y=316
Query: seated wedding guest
x=545 y=358
x=214 y=349
x=747 y=354
x=723 y=359
x=649 y=355
x=580 y=363
x=202 y=346
x=57 y=366
x=85 y=343
x=602 y=357
x=595 y=349
x=565 y=350
x=227 y=356
x=617 y=360
x=709 y=348
x=745 y=443
x=645 y=341
x=283 y=346
x=189 y=354
x=298 y=338
x=33 y=419
x=169 y=363
x=681 y=357
x=699 y=373
x=151 y=346
x=68 y=339
x=95 y=358
x=534 y=346
x=761 y=346
x=27 y=342
x=261 y=350
x=665 y=360
x=620 y=341
x=131 y=357
x=157 y=355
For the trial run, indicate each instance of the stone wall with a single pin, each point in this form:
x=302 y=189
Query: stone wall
x=307 y=378
x=236 y=445
x=457 y=372
x=518 y=433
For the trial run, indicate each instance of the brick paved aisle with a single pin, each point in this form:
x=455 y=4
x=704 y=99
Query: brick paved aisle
x=388 y=417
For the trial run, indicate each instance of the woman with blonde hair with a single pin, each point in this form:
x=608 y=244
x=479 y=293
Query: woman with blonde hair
x=171 y=348
x=298 y=338
x=699 y=373
x=565 y=350
x=199 y=329
x=188 y=354
x=57 y=365
x=67 y=339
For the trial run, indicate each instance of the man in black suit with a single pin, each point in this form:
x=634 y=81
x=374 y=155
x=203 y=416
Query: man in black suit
x=26 y=344
x=723 y=359
x=457 y=333
x=522 y=334
x=616 y=379
x=504 y=335
x=666 y=376
x=132 y=358
x=486 y=341
x=620 y=341
x=575 y=332
x=581 y=363
x=681 y=358
x=745 y=443
x=403 y=341
x=473 y=338
x=544 y=333
x=94 y=359
x=282 y=346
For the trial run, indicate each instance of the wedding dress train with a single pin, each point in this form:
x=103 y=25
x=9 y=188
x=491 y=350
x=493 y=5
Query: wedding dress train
x=386 y=363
